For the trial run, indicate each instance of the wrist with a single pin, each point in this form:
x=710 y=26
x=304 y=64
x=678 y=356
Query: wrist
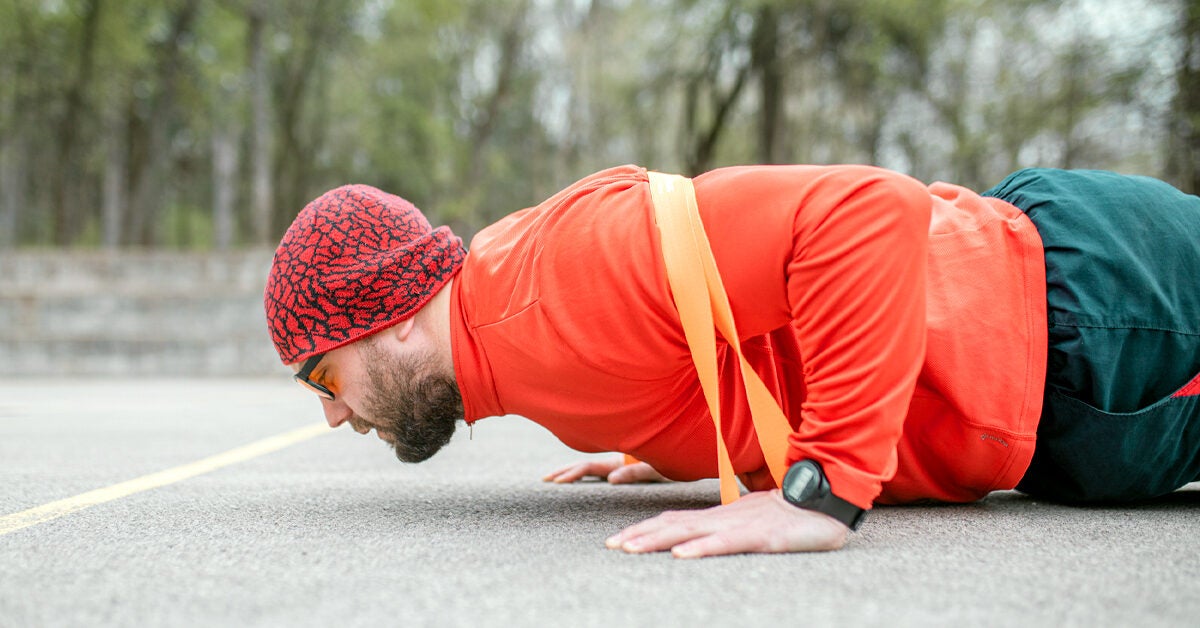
x=806 y=486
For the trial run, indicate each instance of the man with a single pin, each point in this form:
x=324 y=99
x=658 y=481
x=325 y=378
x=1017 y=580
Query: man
x=924 y=343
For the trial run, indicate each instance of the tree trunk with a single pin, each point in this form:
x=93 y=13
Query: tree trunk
x=485 y=124
x=1183 y=159
x=1072 y=107
x=116 y=178
x=701 y=139
x=261 y=194
x=764 y=50
x=705 y=140
x=290 y=172
x=16 y=149
x=13 y=157
x=150 y=191
x=225 y=165
x=66 y=177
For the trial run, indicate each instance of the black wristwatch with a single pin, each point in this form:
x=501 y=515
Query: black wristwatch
x=805 y=486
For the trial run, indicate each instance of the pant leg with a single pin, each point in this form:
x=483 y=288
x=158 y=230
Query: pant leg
x=1123 y=290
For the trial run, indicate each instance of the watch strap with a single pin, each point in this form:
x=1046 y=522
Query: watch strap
x=839 y=509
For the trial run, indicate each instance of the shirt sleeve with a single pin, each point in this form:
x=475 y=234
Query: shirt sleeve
x=837 y=254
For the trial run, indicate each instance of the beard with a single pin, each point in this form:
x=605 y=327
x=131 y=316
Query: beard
x=418 y=407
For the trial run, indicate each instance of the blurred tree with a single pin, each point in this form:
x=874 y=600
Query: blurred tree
x=259 y=76
x=17 y=48
x=1183 y=146
x=391 y=102
x=225 y=31
x=712 y=89
x=766 y=58
x=313 y=38
x=117 y=110
x=211 y=122
x=155 y=119
x=609 y=99
x=67 y=195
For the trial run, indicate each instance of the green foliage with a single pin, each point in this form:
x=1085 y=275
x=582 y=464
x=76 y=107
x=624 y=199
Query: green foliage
x=185 y=227
x=114 y=115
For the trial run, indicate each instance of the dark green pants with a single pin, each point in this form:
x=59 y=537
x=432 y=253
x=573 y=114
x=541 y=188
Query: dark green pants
x=1119 y=420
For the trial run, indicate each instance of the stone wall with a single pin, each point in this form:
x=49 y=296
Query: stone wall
x=134 y=313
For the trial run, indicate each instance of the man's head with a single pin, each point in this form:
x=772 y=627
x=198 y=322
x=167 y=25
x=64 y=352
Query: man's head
x=355 y=303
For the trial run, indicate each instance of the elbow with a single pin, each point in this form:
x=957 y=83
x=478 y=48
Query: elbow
x=905 y=201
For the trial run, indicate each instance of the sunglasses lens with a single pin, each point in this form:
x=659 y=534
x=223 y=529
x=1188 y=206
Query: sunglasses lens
x=301 y=377
x=320 y=390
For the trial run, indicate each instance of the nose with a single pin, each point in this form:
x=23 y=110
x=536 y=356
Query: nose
x=336 y=412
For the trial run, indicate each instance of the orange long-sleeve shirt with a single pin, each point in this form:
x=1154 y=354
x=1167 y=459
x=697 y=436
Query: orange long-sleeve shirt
x=901 y=328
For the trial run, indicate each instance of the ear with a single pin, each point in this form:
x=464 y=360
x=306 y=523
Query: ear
x=403 y=330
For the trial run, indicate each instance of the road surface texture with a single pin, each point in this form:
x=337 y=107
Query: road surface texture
x=333 y=531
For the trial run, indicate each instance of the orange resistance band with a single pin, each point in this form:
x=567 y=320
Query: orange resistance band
x=702 y=304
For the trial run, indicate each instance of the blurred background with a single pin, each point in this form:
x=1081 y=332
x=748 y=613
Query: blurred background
x=153 y=151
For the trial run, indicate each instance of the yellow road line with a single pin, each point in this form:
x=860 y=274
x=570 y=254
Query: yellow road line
x=54 y=510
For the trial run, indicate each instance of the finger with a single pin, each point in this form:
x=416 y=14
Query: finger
x=716 y=544
x=629 y=532
x=639 y=472
x=569 y=471
x=573 y=473
x=697 y=523
x=549 y=477
x=662 y=539
x=629 y=474
x=660 y=533
x=578 y=471
x=653 y=524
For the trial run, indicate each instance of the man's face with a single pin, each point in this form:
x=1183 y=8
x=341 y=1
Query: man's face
x=410 y=404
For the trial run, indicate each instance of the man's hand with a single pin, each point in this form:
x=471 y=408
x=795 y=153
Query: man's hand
x=612 y=469
x=760 y=522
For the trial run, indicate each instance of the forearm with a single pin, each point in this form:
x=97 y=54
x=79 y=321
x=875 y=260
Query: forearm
x=856 y=285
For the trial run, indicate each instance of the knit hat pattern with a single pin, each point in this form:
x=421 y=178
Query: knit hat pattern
x=355 y=261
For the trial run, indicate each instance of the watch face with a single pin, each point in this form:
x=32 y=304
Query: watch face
x=801 y=483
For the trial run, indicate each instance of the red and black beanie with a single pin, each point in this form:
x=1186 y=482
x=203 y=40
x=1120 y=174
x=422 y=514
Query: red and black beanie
x=355 y=261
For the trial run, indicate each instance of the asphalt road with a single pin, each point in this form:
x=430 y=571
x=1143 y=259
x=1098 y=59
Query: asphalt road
x=333 y=531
